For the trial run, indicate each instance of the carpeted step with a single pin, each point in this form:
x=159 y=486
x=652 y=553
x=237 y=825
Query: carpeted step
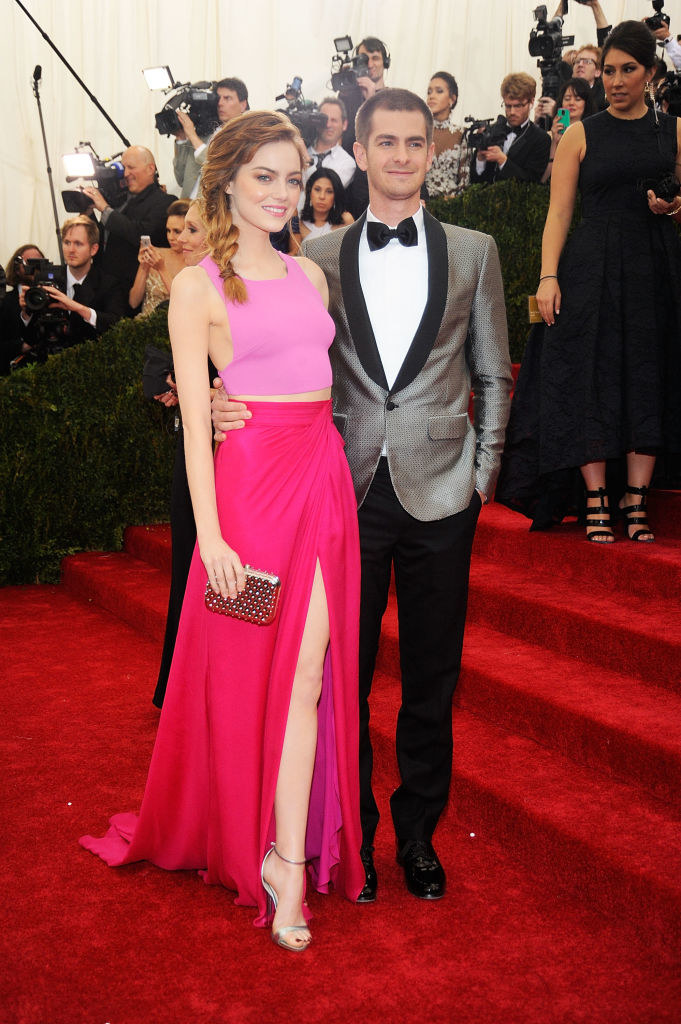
x=648 y=570
x=597 y=718
x=574 y=830
x=131 y=589
x=624 y=633
x=150 y=544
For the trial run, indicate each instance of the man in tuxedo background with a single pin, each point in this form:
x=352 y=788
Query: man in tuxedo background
x=420 y=319
x=94 y=300
x=525 y=151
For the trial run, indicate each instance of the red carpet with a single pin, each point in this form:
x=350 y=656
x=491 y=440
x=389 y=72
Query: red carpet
x=564 y=906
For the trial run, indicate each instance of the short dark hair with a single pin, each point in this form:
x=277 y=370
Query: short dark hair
x=236 y=85
x=338 y=208
x=338 y=102
x=390 y=99
x=373 y=45
x=581 y=88
x=634 y=38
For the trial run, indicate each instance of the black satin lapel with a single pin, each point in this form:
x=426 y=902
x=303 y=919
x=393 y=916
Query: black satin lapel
x=438 y=279
x=356 y=311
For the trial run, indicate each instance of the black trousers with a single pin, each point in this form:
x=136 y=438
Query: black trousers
x=431 y=562
x=183 y=538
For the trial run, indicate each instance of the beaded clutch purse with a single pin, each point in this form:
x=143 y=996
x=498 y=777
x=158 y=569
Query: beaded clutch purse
x=257 y=603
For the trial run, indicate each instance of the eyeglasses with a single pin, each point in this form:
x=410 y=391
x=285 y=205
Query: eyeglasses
x=584 y=60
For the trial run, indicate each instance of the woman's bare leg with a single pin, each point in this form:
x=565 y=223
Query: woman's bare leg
x=292 y=795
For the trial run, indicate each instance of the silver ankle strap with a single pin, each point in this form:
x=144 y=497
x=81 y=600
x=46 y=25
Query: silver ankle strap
x=281 y=857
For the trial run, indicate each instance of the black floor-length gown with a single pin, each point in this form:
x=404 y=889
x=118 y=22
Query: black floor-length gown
x=606 y=378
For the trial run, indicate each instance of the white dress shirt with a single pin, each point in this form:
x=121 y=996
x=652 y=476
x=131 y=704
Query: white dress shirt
x=394 y=282
x=337 y=159
x=70 y=281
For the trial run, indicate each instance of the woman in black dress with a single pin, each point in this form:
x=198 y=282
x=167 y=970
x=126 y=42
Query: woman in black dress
x=601 y=380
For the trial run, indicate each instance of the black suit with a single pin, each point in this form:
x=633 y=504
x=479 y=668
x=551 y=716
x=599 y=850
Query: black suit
x=418 y=506
x=106 y=296
x=526 y=159
x=143 y=214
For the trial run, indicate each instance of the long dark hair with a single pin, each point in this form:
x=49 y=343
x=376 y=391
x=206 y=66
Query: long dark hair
x=338 y=209
x=581 y=88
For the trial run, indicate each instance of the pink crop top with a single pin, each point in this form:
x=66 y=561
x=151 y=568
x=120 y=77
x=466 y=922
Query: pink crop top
x=281 y=336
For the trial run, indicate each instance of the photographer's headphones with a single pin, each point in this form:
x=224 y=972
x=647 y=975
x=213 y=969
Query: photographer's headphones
x=381 y=47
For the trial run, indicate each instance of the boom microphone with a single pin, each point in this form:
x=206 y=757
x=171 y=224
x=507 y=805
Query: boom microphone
x=37 y=73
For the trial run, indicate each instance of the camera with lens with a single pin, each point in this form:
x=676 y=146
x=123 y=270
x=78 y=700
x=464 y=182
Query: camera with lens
x=84 y=165
x=199 y=101
x=49 y=328
x=669 y=93
x=482 y=133
x=547 y=43
x=303 y=113
x=345 y=69
x=34 y=273
x=659 y=19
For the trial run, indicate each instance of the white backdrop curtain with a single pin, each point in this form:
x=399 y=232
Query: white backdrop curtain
x=264 y=42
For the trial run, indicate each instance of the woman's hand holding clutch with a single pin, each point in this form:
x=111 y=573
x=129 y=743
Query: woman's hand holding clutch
x=223 y=567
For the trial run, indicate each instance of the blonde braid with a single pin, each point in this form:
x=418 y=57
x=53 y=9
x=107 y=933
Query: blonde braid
x=222 y=237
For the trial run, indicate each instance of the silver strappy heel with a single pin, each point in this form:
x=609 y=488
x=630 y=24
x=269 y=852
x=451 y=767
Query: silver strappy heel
x=278 y=937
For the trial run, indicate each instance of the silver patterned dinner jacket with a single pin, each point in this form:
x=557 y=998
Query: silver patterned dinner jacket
x=435 y=454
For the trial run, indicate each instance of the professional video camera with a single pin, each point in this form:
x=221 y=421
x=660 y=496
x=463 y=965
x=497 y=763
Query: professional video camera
x=303 y=113
x=547 y=42
x=106 y=175
x=493 y=132
x=659 y=19
x=345 y=70
x=199 y=101
x=49 y=327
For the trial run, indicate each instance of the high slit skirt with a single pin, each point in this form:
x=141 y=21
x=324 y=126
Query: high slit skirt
x=285 y=501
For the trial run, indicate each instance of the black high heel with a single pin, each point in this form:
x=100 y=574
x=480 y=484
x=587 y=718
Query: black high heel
x=636 y=516
x=603 y=511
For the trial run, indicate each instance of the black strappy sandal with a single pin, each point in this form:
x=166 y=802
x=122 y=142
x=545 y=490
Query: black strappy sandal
x=602 y=511
x=636 y=516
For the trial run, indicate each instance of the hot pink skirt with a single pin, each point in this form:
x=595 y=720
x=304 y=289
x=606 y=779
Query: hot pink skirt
x=285 y=500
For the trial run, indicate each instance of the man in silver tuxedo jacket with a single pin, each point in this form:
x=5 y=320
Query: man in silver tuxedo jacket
x=420 y=322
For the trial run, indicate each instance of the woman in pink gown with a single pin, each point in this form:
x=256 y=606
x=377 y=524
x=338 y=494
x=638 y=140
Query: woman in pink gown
x=255 y=768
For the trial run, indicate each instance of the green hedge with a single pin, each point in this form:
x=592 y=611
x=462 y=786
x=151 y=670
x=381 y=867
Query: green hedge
x=513 y=212
x=84 y=454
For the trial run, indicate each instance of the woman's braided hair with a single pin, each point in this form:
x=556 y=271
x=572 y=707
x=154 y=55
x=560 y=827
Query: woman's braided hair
x=234 y=145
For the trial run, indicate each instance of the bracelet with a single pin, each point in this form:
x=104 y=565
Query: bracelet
x=547 y=276
x=672 y=213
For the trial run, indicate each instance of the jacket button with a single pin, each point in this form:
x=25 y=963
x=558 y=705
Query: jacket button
x=390 y=406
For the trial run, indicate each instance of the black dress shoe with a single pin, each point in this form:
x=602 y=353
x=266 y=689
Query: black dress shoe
x=423 y=873
x=368 y=893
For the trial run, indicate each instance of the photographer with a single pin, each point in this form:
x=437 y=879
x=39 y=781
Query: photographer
x=327 y=150
x=93 y=300
x=142 y=213
x=668 y=42
x=602 y=26
x=191 y=148
x=521 y=148
x=587 y=65
x=16 y=332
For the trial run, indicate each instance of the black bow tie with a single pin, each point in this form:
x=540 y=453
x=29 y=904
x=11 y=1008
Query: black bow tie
x=378 y=235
